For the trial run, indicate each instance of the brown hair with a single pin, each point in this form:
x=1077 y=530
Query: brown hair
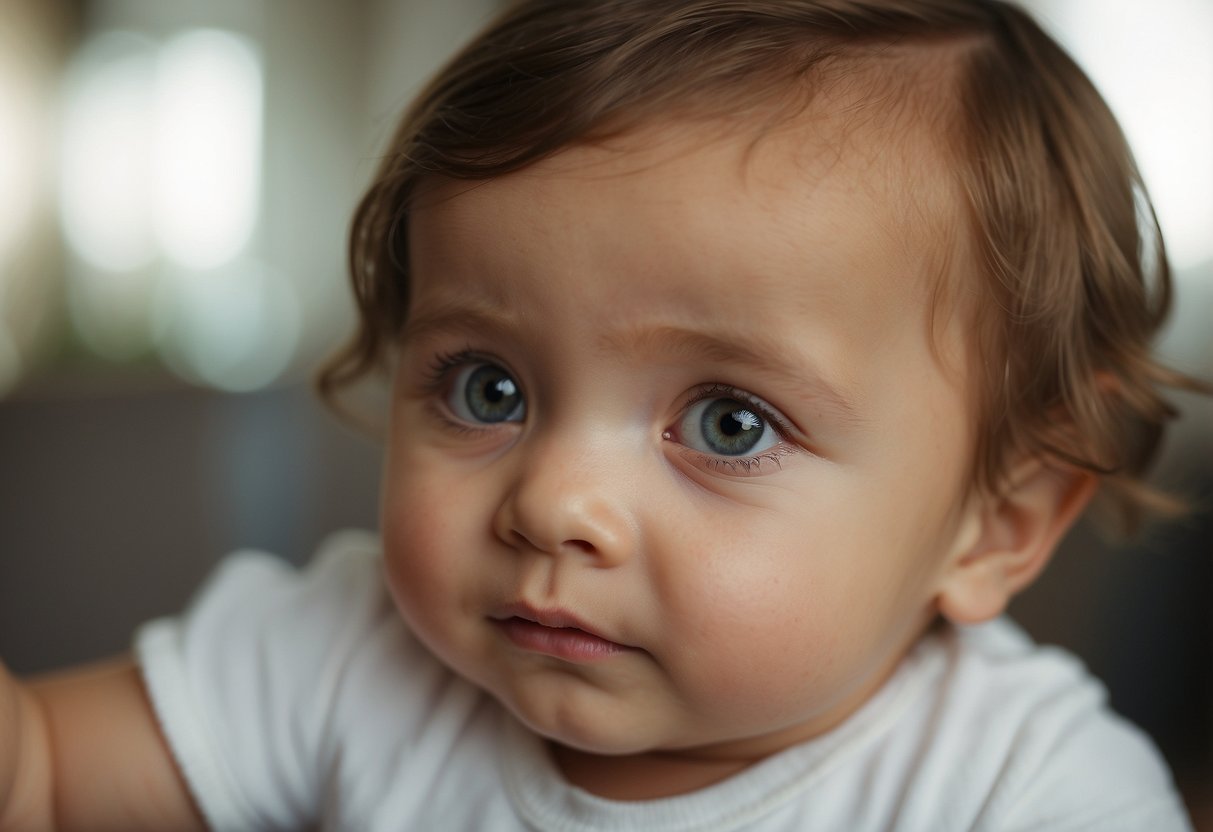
x=1076 y=277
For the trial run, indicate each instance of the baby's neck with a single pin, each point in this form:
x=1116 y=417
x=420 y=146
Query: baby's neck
x=642 y=776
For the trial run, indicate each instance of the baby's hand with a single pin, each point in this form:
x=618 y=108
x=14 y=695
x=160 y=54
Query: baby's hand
x=82 y=750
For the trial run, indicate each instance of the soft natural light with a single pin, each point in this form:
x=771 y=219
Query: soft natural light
x=17 y=185
x=161 y=177
x=17 y=150
x=1154 y=64
x=106 y=186
x=111 y=311
x=235 y=328
x=208 y=146
x=108 y=140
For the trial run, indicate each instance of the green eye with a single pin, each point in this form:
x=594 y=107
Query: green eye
x=726 y=427
x=486 y=393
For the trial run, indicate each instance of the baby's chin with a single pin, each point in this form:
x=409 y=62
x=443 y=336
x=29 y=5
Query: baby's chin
x=589 y=736
x=622 y=734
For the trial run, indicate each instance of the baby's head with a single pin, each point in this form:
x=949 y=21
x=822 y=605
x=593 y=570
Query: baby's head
x=734 y=343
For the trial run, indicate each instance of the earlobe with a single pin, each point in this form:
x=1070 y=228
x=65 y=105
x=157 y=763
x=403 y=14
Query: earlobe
x=1007 y=539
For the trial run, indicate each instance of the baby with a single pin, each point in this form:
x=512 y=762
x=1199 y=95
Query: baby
x=747 y=358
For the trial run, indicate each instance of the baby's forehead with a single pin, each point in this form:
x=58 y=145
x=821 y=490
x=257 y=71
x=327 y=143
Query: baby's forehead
x=856 y=141
x=826 y=191
x=894 y=162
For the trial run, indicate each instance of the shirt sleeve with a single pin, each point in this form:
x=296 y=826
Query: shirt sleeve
x=244 y=683
x=1095 y=773
x=1073 y=764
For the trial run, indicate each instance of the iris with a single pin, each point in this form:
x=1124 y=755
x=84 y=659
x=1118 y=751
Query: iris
x=730 y=428
x=491 y=394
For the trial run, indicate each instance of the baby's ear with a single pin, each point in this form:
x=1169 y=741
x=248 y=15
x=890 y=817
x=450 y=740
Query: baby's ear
x=1006 y=539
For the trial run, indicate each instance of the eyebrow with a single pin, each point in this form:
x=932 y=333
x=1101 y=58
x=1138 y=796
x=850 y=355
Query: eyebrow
x=751 y=351
x=471 y=316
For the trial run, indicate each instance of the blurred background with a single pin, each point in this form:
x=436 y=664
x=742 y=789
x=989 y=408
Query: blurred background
x=176 y=181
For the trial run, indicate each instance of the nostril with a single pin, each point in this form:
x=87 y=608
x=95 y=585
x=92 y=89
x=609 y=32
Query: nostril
x=520 y=540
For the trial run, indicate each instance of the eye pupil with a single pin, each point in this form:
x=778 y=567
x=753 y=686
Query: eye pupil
x=496 y=391
x=734 y=423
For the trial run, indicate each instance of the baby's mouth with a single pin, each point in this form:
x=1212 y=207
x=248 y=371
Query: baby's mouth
x=555 y=633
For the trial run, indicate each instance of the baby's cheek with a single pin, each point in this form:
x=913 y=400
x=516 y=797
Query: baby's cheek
x=418 y=526
x=763 y=645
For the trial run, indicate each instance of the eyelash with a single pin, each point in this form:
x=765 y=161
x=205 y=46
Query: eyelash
x=442 y=363
x=745 y=465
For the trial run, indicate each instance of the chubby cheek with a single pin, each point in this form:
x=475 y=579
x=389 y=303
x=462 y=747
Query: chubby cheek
x=425 y=541
x=734 y=633
x=786 y=628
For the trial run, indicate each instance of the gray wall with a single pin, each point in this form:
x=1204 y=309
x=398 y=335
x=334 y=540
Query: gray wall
x=115 y=503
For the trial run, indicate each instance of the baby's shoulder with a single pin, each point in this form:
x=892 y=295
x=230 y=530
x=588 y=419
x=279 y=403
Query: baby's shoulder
x=256 y=600
x=281 y=684
x=1030 y=730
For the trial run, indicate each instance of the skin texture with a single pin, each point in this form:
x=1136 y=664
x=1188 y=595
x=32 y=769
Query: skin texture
x=763 y=599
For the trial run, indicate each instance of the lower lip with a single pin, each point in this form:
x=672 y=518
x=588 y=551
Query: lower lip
x=568 y=643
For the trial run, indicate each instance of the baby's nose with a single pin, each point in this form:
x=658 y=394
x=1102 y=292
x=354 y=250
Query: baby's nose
x=561 y=502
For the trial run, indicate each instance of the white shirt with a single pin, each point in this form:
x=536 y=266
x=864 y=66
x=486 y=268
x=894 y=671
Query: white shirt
x=301 y=700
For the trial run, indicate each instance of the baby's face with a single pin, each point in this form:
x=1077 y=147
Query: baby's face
x=672 y=462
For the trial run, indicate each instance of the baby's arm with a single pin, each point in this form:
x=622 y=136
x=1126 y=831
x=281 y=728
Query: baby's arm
x=82 y=750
